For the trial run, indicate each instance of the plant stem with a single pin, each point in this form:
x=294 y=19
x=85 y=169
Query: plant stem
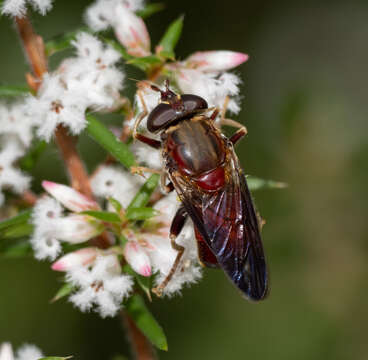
x=141 y=347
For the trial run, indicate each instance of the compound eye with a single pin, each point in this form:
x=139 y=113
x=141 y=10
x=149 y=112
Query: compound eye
x=193 y=103
x=159 y=117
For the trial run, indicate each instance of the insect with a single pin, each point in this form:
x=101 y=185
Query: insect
x=201 y=165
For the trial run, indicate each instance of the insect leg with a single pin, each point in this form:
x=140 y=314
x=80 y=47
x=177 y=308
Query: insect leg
x=175 y=229
x=238 y=135
x=141 y=169
x=166 y=188
x=145 y=139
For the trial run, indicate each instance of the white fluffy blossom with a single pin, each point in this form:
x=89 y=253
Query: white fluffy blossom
x=213 y=87
x=111 y=181
x=129 y=28
x=51 y=227
x=28 y=352
x=102 y=286
x=14 y=120
x=11 y=149
x=25 y=352
x=19 y=8
x=89 y=80
x=146 y=155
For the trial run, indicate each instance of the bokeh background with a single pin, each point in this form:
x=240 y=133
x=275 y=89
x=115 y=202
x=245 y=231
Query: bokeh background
x=305 y=106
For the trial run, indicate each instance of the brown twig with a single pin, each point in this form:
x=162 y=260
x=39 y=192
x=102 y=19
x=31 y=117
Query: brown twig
x=141 y=347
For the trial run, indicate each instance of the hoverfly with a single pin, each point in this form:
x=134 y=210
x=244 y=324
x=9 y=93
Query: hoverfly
x=201 y=165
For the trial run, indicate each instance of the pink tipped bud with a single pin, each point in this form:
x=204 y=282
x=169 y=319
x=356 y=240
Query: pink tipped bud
x=74 y=259
x=216 y=60
x=70 y=198
x=6 y=351
x=76 y=229
x=131 y=31
x=137 y=258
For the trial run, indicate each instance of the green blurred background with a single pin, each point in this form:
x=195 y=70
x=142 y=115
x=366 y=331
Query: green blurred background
x=304 y=103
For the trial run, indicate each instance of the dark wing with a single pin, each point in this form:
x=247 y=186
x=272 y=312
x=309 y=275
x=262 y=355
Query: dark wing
x=228 y=223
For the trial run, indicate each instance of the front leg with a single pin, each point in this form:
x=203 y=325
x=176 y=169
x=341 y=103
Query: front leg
x=175 y=229
x=145 y=139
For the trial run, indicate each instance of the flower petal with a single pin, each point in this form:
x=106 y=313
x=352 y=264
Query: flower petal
x=221 y=60
x=137 y=258
x=74 y=259
x=70 y=198
x=132 y=32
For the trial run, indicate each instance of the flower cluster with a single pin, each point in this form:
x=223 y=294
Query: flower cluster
x=25 y=352
x=88 y=81
x=18 y=7
x=98 y=276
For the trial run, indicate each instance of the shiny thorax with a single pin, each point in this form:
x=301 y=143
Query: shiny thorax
x=195 y=148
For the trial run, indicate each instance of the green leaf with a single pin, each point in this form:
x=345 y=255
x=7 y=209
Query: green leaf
x=150 y=9
x=17 y=231
x=17 y=226
x=103 y=136
x=20 y=218
x=141 y=213
x=145 y=321
x=103 y=215
x=30 y=159
x=143 y=195
x=13 y=90
x=172 y=35
x=146 y=62
x=56 y=358
x=19 y=249
x=65 y=290
x=116 y=204
x=63 y=41
x=255 y=183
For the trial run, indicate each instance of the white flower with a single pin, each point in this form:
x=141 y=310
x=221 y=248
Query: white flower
x=111 y=181
x=214 y=61
x=6 y=351
x=14 y=120
x=146 y=155
x=10 y=177
x=89 y=80
x=130 y=29
x=82 y=257
x=213 y=87
x=29 y=352
x=51 y=227
x=103 y=286
x=57 y=104
x=25 y=352
x=18 y=7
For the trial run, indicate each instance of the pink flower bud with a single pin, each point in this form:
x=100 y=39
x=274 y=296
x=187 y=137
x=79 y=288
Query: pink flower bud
x=137 y=258
x=76 y=229
x=216 y=60
x=74 y=259
x=131 y=31
x=70 y=198
x=6 y=351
